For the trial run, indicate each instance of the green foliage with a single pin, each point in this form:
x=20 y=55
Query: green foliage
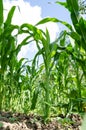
x=58 y=84
x=1 y=13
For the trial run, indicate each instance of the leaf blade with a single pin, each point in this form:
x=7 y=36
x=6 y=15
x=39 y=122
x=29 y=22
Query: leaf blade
x=1 y=12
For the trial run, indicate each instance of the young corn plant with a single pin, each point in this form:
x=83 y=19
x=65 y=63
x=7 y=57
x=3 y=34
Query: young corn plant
x=47 y=59
x=7 y=47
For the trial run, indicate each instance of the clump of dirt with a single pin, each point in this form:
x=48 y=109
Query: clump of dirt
x=18 y=121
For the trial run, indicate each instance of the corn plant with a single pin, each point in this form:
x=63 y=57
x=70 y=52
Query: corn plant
x=45 y=51
x=7 y=46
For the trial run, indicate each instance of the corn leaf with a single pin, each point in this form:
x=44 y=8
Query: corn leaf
x=45 y=20
x=28 y=27
x=1 y=12
x=23 y=43
x=10 y=16
x=73 y=6
x=78 y=22
x=34 y=99
x=62 y=3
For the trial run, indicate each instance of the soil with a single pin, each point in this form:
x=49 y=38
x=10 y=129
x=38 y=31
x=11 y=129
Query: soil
x=18 y=121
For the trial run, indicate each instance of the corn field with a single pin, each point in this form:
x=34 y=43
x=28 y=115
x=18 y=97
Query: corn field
x=55 y=86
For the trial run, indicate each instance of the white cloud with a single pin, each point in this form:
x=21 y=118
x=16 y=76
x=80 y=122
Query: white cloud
x=31 y=15
x=27 y=13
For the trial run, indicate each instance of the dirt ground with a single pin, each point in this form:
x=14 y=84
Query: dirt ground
x=18 y=121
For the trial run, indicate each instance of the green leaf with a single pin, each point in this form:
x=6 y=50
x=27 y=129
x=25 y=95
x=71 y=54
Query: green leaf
x=47 y=36
x=27 y=27
x=10 y=15
x=45 y=20
x=74 y=10
x=32 y=30
x=53 y=49
x=23 y=43
x=62 y=3
x=73 y=6
x=9 y=29
x=76 y=37
x=34 y=99
x=1 y=12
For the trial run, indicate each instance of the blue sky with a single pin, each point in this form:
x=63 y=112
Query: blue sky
x=52 y=10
